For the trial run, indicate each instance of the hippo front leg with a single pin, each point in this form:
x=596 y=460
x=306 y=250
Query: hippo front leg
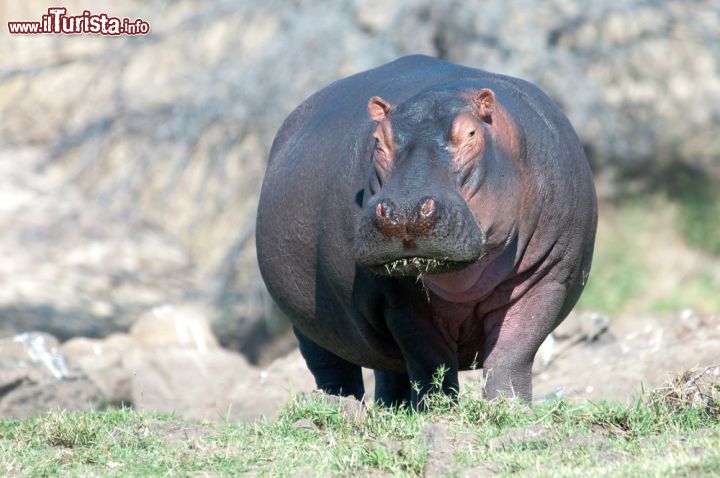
x=425 y=353
x=514 y=336
x=392 y=389
x=333 y=375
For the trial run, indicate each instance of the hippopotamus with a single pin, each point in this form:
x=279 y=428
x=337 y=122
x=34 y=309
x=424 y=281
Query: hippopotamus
x=423 y=218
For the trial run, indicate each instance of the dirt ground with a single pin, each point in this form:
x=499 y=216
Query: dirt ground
x=171 y=362
x=633 y=352
x=594 y=358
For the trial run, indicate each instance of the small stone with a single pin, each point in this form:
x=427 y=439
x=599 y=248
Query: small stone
x=688 y=321
x=593 y=325
x=392 y=445
x=304 y=424
x=350 y=407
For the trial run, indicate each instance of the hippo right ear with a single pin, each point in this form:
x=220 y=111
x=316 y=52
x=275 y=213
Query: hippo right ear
x=378 y=108
x=484 y=100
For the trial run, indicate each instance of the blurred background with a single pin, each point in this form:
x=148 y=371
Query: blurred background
x=130 y=167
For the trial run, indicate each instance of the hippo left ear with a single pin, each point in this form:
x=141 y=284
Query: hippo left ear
x=378 y=108
x=484 y=101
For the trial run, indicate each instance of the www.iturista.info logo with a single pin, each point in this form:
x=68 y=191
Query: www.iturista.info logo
x=57 y=21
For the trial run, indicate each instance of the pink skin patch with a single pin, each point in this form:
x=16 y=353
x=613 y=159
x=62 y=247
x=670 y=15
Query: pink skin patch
x=457 y=281
x=472 y=283
x=460 y=286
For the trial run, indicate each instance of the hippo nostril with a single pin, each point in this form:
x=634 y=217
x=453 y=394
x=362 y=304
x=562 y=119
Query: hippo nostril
x=380 y=210
x=385 y=210
x=425 y=216
x=427 y=207
x=387 y=219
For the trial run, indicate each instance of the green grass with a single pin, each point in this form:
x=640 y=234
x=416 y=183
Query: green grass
x=698 y=198
x=657 y=253
x=665 y=432
x=619 y=272
x=617 y=276
x=699 y=292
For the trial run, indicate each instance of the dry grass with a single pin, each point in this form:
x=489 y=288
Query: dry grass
x=695 y=388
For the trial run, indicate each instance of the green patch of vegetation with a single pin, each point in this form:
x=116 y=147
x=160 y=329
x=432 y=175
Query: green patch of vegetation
x=674 y=430
x=658 y=252
x=699 y=292
x=698 y=198
x=619 y=273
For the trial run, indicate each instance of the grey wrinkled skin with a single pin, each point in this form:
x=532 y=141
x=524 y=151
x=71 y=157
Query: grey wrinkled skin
x=406 y=254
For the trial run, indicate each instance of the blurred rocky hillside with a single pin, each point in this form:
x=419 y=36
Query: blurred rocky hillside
x=130 y=167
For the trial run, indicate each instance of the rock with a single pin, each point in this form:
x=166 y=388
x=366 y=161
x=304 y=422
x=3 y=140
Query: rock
x=579 y=327
x=30 y=357
x=168 y=325
x=34 y=378
x=72 y=267
x=593 y=325
x=587 y=326
x=393 y=446
x=190 y=383
x=305 y=424
x=214 y=384
x=688 y=321
x=33 y=399
x=283 y=377
x=102 y=362
x=30 y=370
x=159 y=329
x=349 y=407
x=170 y=362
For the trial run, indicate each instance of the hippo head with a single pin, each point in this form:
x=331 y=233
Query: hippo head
x=444 y=189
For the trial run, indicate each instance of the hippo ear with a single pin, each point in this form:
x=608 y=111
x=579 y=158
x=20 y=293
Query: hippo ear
x=484 y=101
x=378 y=108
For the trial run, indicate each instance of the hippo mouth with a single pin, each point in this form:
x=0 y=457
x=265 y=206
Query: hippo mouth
x=417 y=266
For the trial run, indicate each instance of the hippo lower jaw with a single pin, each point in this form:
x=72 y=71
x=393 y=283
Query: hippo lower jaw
x=418 y=266
x=458 y=286
x=478 y=279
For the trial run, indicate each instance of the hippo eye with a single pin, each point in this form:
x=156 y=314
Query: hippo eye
x=471 y=133
x=377 y=145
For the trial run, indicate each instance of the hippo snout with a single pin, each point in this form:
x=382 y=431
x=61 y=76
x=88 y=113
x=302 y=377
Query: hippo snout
x=419 y=221
x=431 y=234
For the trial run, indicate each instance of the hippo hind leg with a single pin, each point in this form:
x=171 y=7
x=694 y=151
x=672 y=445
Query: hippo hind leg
x=333 y=375
x=392 y=389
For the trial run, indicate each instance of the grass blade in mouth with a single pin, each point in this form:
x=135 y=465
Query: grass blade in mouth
x=420 y=263
x=417 y=266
